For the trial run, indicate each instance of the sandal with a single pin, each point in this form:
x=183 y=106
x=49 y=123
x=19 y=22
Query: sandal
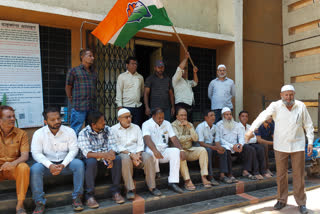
x=207 y=185
x=21 y=211
x=190 y=187
x=249 y=176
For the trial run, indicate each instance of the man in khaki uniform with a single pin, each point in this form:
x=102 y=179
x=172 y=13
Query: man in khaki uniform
x=186 y=134
x=14 y=152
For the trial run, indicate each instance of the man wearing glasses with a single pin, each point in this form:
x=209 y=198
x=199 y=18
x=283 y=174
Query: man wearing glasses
x=156 y=133
x=130 y=146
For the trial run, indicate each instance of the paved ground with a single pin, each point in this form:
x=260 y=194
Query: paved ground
x=313 y=205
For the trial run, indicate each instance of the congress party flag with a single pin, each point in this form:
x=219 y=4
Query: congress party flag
x=127 y=17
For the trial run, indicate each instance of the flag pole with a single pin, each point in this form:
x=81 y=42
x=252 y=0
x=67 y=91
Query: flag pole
x=181 y=42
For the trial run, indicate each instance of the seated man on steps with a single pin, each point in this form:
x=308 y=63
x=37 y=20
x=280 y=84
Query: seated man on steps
x=209 y=139
x=130 y=145
x=98 y=145
x=186 y=134
x=14 y=152
x=156 y=134
x=54 y=147
x=258 y=159
x=232 y=139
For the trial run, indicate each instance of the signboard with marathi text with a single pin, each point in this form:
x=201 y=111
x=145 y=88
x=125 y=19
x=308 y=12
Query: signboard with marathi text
x=20 y=71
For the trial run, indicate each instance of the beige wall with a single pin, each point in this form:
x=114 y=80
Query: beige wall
x=262 y=53
x=214 y=16
x=300 y=33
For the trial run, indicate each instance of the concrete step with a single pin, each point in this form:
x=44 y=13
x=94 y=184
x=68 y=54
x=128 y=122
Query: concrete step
x=224 y=203
x=58 y=189
x=145 y=202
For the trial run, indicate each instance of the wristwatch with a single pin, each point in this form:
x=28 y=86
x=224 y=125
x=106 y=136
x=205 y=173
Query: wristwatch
x=129 y=153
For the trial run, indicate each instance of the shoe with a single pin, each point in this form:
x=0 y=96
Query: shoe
x=118 y=198
x=214 y=182
x=226 y=180
x=303 y=209
x=40 y=207
x=158 y=175
x=249 y=176
x=175 y=188
x=77 y=204
x=259 y=177
x=21 y=211
x=233 y=179
x=279 y=205
x=130 y=195
x=155 y=192
x=92 y=203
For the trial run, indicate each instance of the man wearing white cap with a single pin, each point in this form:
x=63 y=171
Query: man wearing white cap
x=220 y=92
x=130 y=145
x=231 y=137
x=291 y=121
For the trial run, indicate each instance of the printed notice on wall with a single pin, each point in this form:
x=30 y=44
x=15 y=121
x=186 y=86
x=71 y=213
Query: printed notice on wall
x=20 y=71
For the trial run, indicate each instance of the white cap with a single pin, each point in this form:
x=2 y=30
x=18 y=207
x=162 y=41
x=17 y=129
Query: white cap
x=123 y=111
x=287 y=88
x=221 y=66
x=225 y=109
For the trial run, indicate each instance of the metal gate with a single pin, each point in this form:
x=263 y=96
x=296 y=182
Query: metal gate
x=109 y=63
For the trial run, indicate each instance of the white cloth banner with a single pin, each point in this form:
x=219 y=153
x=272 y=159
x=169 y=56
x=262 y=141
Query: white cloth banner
x=20 y=71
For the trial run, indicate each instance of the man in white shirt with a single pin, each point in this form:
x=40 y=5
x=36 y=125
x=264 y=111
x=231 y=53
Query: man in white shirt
x=291 y=119
x=258 y=154
x=209 y=139
x=183 y=93
x=130 y=86
x=220 y=92
x=54 y=147
x=130 y=145
x=156 y=134
x=231 y=137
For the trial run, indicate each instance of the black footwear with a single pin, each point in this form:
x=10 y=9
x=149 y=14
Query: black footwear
x=39 y=208
x=155 y=192
x=175 y=188
x=130 y=195
x=303 y=209
x=77 y=204
x=279 y=205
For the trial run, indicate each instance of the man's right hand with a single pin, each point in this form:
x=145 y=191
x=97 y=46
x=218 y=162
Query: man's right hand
x=248 y=135
x=109 y=155
x=54 y=169
x=136 y=159
x=157 y=154
x=148 y=111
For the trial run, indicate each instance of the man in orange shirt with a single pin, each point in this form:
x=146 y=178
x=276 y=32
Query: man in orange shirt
x=14 y=152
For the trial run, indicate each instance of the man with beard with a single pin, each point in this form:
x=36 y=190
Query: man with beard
x=14 y=152
x=54 y=147
x=81 y=89
x=98 y=145
x=220 y=92
x=291 y=121
x=231 y=137
x=130 y=147
x=156 y=134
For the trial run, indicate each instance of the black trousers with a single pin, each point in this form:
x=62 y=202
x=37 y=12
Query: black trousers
x=211 y=156
x=91 y=165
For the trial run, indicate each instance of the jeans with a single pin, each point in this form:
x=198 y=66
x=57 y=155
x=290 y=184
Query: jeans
x=38 y=171
x=76 y=119
x=91 y=165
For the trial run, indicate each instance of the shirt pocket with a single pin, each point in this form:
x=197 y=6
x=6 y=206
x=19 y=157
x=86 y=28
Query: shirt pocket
x=13 y=149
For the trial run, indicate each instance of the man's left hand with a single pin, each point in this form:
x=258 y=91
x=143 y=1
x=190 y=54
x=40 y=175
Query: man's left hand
x=7 y=166
x=182 y=155
x=310 y=149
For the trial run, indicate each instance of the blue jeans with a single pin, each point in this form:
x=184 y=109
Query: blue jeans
x=38 y=171
x=76 y=119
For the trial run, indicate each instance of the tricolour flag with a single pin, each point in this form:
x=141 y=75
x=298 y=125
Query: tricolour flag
x=127 y=17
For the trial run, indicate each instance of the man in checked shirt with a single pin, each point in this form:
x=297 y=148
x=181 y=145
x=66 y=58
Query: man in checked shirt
x=98 y=145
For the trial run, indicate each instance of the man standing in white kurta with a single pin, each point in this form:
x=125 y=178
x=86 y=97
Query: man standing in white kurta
x=291 y=120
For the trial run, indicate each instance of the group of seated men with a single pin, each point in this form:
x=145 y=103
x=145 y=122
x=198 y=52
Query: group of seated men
x=123 y=147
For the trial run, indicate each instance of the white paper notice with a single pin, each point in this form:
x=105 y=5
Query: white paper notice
x=20 y=71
